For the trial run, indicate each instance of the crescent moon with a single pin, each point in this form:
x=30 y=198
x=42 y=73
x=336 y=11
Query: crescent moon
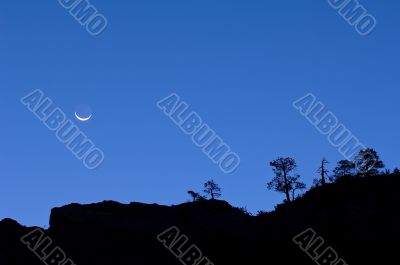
x=82 y=119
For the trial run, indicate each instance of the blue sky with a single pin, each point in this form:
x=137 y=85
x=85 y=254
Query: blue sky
x=239 y=64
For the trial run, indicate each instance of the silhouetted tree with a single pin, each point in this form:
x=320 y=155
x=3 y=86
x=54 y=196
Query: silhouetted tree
x=323 y=171
x=396 y=172
x=368 y=162
x=195 y=196
x=212 y=189
x=344 y=168
x=283 y=181
x=297 y=185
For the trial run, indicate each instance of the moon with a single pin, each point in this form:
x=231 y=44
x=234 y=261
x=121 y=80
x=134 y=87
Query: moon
x=82 y=118
x=83 y=112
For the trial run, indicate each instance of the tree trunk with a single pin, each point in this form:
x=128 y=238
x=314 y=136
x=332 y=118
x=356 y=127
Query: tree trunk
x=286 y=186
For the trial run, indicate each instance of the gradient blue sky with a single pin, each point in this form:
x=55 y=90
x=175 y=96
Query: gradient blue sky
x=239 y=64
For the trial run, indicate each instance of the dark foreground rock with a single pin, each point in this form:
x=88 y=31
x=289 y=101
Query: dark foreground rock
x=358 y=218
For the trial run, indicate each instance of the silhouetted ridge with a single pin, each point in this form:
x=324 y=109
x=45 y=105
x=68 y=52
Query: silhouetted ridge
x=356 y=216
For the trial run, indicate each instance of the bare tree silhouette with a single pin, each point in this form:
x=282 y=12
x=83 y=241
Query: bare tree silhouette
x=283 y=181
x=212 y=189
x=323 y=171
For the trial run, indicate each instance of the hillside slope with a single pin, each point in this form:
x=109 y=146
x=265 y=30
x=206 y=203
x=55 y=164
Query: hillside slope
x=356 y=217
